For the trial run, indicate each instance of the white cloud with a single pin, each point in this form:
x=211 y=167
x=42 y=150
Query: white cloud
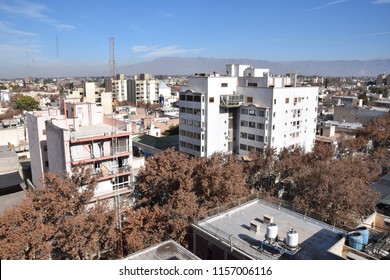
x=33 y=11
x=373 y=34
x=381 y=2
x=157 y=51
x=6 y=29
x=328 y=5
x=141 y=48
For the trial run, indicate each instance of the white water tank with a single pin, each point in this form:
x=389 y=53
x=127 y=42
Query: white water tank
x=272 y=231
x=292 y=238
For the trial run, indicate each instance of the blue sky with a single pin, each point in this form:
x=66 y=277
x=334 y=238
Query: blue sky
x=277 y=30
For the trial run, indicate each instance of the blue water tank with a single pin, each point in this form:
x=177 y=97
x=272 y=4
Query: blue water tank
x=161 y=99
x=365 y=233
x=355 y=240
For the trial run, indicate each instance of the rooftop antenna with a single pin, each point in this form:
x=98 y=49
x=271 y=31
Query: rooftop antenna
x=117 y=197
x=112 y=65
x=58 y=61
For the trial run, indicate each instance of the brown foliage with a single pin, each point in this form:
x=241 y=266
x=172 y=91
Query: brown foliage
x=53 y=223
x=174 y=189
x=336 y=190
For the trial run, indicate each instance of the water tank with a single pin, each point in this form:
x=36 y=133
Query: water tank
x=292 y=238
x=355 y=240
x=161 y=99
x=365 y=233
x=272 y=231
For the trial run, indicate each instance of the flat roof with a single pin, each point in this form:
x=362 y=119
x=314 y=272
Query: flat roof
x=314 y=237
x=95 y=130
x=168 y=250
x=382 y=186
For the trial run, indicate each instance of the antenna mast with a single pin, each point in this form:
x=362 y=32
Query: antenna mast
x=112 y=66
x=117 y=198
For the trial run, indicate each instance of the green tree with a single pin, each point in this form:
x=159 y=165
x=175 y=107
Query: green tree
x=26 y=103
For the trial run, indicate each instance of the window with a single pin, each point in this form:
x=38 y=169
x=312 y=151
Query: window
x=182 y=97
x=183 y=121
x=197 y=98
x=249 y=99
x=251 y=136
x=260 y=126
x=244 y=111
x=274 y=101
x=196 y=111
x=211 y=99
x=182 y=132
x=190 y=146
x=190 y=98
x=259 y=138
x=196 y=123
x=242 y=147
x=244 y=135
x=46 y=163
x=252 y=112
x=45 y=148
x=252 y=124
x=260 y=113
x=252 y=84
x=244 y=123
x=190 y=111
x=190 y=134
x=189 y=122
x=287 y=100
x=224 y=84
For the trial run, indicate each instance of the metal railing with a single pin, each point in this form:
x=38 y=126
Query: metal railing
x=237 y=243
x=231 y=100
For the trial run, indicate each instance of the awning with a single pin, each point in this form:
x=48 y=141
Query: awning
x=10 y=180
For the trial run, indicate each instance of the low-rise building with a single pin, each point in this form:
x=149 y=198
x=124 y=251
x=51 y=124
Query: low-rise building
x=259 y=230
x=83 y=138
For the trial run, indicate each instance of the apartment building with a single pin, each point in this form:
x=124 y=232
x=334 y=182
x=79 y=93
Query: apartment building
x=143 y=88
x=259 y=230
x=100 y=96
x=245 y=109
x=84 y=137
x=118 y=87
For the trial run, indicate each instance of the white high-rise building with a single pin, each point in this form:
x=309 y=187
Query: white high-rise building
x=244 y=110
x=143 y=88
x=118 y=87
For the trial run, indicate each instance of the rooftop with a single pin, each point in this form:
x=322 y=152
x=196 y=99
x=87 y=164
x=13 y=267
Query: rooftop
x=160 y=143
x=168 y=250
x=382 y=186
x=315 y=238
x=95 y=130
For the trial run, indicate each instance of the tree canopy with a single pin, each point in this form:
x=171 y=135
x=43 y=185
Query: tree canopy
x=26 y=103
x=54 y=223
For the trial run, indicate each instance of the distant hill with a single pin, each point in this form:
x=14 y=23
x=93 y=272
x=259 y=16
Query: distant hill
x=191 y=65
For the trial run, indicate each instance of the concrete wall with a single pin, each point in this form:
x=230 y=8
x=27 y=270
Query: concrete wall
x=55 y=148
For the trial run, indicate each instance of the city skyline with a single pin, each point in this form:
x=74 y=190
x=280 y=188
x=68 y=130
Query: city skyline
x=45 y=38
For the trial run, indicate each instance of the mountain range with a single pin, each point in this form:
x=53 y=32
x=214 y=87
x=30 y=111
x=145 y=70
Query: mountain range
x=191 y=65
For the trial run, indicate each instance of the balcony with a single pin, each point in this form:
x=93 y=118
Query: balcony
x=102 y=175
x=231 y=101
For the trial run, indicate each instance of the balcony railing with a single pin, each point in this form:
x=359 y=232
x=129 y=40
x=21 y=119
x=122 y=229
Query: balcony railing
x=231 y=101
